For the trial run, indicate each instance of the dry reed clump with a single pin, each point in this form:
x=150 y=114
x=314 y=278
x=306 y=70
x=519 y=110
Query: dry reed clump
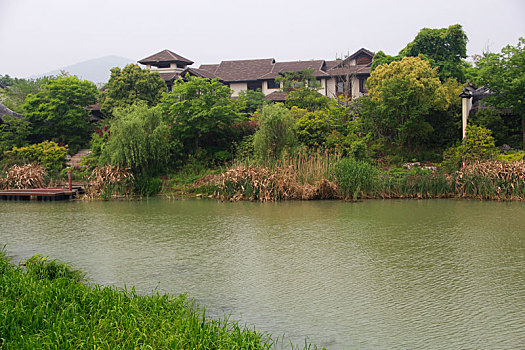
x=106 y=181
x=256 y=183
x=492 y=179
x=24 y=177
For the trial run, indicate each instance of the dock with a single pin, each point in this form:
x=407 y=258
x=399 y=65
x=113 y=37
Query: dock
x=38 y=194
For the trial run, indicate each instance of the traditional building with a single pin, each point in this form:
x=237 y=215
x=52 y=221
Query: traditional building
x=336 y=77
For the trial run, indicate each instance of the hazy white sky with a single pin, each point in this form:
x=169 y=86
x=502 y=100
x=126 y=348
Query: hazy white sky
x=37 y=36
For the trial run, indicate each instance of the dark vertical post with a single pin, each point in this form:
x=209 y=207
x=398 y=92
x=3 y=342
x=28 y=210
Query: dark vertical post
x=69 y=180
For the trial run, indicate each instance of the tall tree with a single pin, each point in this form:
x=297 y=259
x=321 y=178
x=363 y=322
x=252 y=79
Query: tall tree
x=198 y=107
x=405 y=91
x=445 y=48
x=129 y=85
x=504 y=74
x=58 y=112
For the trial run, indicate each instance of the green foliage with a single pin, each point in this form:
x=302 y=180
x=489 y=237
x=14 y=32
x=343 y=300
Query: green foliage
x=130 y=85
x=511 y=156
x=199 y=108
x=381 y=58
x=48 y=154
x=313 y=128
x=18 y=89
x=504 y=74
x=141 y=140
x=306 y=98
x=13 y=133
x=444 y=48
x=276 y=132
x=58 y=112
x=301 y=79
x=147 y=186
x=401 y=94
x=354 y=176
x=477 y=145
x=249 y=102
x=46 y=305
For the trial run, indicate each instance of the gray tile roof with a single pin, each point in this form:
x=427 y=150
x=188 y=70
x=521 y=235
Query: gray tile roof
x=165 y=56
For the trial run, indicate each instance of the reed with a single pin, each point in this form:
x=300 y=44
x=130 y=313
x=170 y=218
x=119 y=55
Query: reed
x=47 y=305
x=105 y=182
x=491 y=180
x=24 y=177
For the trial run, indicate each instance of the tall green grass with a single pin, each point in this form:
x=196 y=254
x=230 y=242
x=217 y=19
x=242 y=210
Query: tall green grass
x=46 y=305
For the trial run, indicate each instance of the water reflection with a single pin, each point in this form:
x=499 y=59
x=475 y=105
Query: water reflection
x=368 y=275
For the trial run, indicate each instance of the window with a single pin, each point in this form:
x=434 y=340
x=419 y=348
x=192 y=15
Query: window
x=163 y=65
x=272 y=84
x=255 y=85
x=340 y=88
x=362 y=85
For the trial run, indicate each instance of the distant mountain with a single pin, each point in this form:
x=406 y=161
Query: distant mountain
x=96 y=70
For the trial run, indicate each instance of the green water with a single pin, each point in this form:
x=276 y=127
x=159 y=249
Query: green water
x=438 y=274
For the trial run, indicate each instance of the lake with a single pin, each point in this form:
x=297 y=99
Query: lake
x=396 y=274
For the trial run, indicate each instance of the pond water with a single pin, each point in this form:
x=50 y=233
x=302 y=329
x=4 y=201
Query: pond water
x=395 y=274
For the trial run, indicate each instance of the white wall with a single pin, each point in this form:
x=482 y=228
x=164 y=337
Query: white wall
x=238 y=87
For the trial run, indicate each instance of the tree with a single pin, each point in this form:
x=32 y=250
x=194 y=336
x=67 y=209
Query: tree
x=141 y=139
x=198 y=107
x=129 y=85
x=58 y=112
x=504 y=74
x=13 y=133
x=18 y=89
x=444 y=48
x=276 y=131
x=404 y=92
x=249 y=101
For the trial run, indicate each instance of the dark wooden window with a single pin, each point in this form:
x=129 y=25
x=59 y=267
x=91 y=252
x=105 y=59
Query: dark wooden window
x=255 y=85
x=363 y=60
x=340 y=87
x=362 y=85
x=272 y=84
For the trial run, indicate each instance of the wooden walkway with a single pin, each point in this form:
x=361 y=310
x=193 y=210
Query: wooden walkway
x=39 y=194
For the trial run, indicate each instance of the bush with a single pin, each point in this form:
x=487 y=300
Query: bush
x=141 y=141
x=354 y=177
x=276 y=131
x=147 y=186
x=477 y=145
x=48 y=154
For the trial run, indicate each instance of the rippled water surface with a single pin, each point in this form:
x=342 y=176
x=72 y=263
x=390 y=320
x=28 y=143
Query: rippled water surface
x=370 y=275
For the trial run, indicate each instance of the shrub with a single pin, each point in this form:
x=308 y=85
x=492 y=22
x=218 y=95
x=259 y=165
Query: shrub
x=354 y=177
x=48 y=154
x=276 y=131
x=141 y=141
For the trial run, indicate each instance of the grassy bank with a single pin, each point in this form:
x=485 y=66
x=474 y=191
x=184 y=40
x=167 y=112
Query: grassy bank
x=350 y=179
x=46 y=305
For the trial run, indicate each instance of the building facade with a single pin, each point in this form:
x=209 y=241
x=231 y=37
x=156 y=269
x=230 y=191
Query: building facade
x=339 y=77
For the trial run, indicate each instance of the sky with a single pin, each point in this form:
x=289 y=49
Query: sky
x=38 y=36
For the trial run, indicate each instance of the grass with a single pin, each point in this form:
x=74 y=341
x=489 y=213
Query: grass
x=46 y=305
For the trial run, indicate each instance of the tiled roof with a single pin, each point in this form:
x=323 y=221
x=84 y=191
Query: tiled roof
x=296 y=66
x=349 y=70
x=169 y=76
x=200 y=73
x=277 y=96
x=244 y=70
x=209 y=67
x=165 y=56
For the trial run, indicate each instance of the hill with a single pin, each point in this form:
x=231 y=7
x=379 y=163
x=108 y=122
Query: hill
x=96 y=70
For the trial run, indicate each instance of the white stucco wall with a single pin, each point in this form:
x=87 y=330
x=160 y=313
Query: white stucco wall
x=265 y=89
x=238 y=87
x=331 y=88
